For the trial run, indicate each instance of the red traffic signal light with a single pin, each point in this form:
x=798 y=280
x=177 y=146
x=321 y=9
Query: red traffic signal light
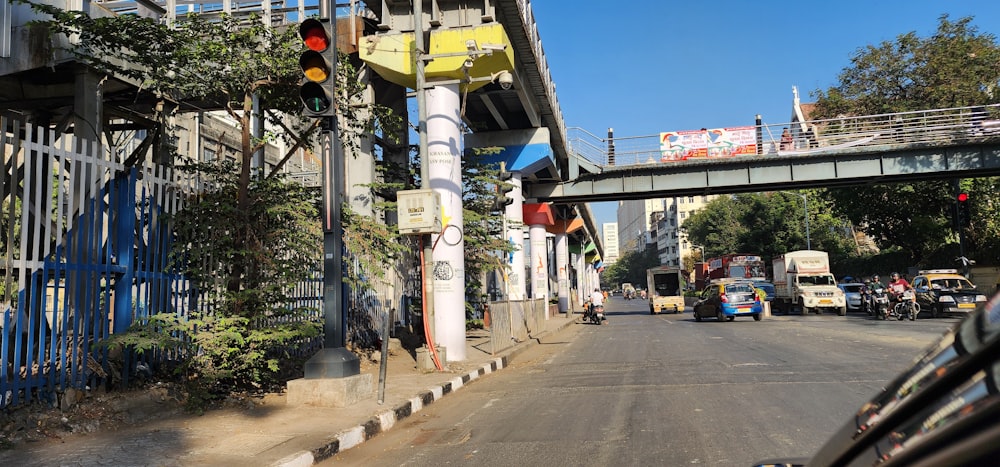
x=963 y=215
x=317 y=63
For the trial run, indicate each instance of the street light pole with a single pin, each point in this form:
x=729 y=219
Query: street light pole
x=702 y=250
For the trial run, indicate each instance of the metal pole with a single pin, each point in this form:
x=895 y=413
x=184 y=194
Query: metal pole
x=611 y=146
x=333 y=242
x=955 y=183
x=760 y=134
x=333 y=361
x=425 y=178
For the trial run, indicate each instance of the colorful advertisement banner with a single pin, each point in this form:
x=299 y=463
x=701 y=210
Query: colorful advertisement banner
x=708 y=143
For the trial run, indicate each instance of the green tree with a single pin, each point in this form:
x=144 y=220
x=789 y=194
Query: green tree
x=485 y=240
x=767 y=224
x=631 y=267
x=245 y=241
x=955 y=67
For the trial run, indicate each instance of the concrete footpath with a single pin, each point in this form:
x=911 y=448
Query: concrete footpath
x=270 y=432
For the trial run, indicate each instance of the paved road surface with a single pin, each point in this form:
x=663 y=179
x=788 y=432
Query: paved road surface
x=662 y=390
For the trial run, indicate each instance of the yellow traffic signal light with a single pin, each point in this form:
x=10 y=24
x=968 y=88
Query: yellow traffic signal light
x=317 y=63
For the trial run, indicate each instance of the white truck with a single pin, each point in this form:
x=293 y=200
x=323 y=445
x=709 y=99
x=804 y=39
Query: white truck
x=802 y=279
x=666 y=289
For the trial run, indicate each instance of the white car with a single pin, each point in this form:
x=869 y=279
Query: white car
x=853 y=295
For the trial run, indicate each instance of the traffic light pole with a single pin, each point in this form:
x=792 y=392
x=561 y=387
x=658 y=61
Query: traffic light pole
x=960 y=226
x=334 y=360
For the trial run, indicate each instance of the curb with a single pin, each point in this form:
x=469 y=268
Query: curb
x=385 y=420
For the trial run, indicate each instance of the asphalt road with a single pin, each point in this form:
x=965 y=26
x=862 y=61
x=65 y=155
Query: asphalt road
x=661 y=390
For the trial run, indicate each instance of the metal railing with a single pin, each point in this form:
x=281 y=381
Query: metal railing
x=923 y=128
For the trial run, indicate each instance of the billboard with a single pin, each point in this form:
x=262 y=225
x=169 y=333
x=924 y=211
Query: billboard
x=708 y=143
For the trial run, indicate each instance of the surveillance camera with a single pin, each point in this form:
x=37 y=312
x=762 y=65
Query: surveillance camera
x=495 y=47
x=505 y=79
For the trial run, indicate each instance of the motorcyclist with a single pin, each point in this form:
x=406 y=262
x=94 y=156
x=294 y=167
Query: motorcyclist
x=596 y=299
x=870 y=287
x=897 y=285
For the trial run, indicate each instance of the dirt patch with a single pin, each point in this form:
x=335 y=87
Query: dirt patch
x=79 y=413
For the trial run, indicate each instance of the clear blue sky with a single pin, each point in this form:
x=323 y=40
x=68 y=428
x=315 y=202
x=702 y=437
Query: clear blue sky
x=642 y=67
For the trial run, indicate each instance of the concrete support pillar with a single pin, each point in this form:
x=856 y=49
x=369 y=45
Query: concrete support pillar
x=581 y=278
x=360 y=172
x=88 y=105
x=444 y=159
x=516 y=284
x=562 y=271
x=539 y=262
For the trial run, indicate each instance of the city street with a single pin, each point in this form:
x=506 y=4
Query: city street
x=662 y=390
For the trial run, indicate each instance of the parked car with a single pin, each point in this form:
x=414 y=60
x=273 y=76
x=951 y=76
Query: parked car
x=725 y=300
x=945 y=291
x=853 y=295
x=943 y=411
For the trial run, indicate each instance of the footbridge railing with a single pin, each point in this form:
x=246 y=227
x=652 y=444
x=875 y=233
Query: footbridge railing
x=923 y=128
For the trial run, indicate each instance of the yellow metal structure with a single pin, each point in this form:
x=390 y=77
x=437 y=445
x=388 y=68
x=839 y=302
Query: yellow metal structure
x=392 y=55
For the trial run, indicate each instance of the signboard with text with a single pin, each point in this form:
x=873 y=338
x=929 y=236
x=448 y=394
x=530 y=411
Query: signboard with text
x=708 y=143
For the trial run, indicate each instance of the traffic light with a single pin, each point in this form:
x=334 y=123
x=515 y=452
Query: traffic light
x=962 y=210
x=504 y=187
x=317 y=63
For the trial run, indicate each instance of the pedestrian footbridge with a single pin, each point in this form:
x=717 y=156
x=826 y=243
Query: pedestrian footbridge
x=921 y=145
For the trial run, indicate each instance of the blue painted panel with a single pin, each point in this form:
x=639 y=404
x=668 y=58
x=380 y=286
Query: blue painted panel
x=518 y=157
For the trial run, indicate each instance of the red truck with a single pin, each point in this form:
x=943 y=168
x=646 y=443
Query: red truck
x=737 y=266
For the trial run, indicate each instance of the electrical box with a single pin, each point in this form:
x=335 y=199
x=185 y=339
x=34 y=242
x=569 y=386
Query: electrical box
x=419 y=212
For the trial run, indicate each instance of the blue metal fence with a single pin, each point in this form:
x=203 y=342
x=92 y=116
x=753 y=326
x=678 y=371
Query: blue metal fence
x=84 y=248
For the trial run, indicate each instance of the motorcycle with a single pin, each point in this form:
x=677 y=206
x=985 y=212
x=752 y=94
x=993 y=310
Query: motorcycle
x=906 y=307
x=597 y=316
x=879 y=304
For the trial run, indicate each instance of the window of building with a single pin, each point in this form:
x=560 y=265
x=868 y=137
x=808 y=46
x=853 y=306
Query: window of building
x=209 y=155
x=690 y=199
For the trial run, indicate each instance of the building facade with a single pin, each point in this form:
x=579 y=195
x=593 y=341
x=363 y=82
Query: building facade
x=636 y=219
x=672 y=246
x=610 y=237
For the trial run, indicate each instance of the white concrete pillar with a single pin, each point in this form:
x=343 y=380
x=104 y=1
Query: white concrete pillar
x=539 y=262
x=562 y=270
x=516 y=284
x=444 y=156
